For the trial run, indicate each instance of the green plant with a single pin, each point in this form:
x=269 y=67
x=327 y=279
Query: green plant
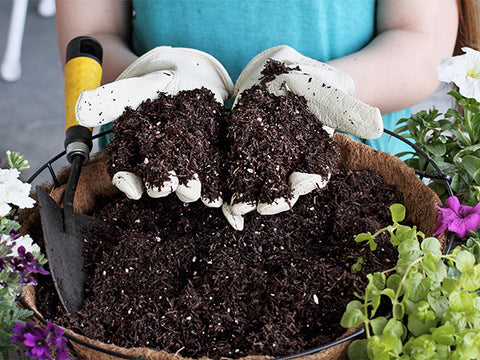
x=453 y=142
x=433 y=315
x=357 y=266
x=472 y=244
x=20 y=260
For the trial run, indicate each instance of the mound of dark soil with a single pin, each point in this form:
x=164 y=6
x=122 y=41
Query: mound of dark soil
x=174 y=276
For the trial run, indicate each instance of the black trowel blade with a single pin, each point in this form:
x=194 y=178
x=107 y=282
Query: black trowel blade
x=64 y=251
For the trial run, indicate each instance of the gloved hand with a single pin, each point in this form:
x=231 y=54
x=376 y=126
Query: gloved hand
x=166 y=70
x=328 y=93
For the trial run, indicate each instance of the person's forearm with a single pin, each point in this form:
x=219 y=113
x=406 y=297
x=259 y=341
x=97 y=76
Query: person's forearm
x=392 y=73
x=108 y=21
x=116 y=56
x=399 y=67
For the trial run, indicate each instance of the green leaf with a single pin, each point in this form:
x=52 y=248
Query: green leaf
x=461 y=301
x=468 y=345
x=438 y=301
x=357 y=350
x=404 y=266
x=422 y=319
x=420 y=291
x=356 y=268
x=456 y=183
x=379 y=280
x=471 y=165
x=444 y=125
x=392 y=342
x=409 y=250
x=409 y=305
x=383 y=346
x=434 y=267
x=476 y=177
x=444 y=335
x=407 y=233
x=423 y=348
x=367 y=237
x=354 y=304
x=395 y=328
x=378 y=324
x=456 y=319
x=398 y=212
x=419 y=327
x=363 y=237
x=353 y=318
x=400 y=129
x=16 y=161
x=375 y=300
x=394 y=282
x=450 y=285
x=432 y=245
x=389 y=293
x=470 y=280
x=398 y=311
x=473 y=317
x=469 y=150
x=436 y=149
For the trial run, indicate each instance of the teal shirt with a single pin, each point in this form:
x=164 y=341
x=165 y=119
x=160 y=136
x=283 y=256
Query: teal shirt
x=234 y=31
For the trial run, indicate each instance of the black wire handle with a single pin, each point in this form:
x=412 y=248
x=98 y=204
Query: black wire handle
x=423 y=173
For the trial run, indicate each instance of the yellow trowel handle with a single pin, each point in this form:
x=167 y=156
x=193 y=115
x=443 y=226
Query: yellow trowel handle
x=83 y=71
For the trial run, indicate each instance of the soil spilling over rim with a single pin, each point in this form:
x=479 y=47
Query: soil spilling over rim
x=173 y=276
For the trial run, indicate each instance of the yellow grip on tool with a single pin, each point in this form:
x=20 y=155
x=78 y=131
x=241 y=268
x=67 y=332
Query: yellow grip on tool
x=81 y=73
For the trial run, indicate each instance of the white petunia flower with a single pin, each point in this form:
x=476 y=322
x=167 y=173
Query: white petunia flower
x=13 y=191
x=463 y=71
x=27 y=242
x=4 y=209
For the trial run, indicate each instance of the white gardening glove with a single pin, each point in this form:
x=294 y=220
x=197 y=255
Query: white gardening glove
x=328 y=92
x=164 y=69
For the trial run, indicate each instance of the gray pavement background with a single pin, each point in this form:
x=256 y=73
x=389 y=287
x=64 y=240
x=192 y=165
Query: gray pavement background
x=31 y=109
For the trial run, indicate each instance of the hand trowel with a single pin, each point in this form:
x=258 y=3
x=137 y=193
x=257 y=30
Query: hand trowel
x=62 y=227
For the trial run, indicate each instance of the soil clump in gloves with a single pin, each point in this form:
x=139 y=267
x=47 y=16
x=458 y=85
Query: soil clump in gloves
x=272 y=136
x=172 y=132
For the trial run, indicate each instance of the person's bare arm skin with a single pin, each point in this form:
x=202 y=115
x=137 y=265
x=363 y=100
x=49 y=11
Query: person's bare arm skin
x=108 y=21
x=399 y=67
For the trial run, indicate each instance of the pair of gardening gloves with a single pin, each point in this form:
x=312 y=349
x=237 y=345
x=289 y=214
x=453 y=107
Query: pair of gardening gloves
x=327 y=90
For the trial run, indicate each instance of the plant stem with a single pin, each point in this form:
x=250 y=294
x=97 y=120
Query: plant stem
x=468 y=124
x=462 y=137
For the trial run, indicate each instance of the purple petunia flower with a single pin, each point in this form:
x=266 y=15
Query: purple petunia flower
x=36 y=344
x=457 y=218
x=20 y=329
x=41 y=344
x=57 y=340
x=14 y=234
x=25 y=264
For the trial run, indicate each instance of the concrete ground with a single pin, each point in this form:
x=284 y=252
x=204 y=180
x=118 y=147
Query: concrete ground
x=31 y=109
